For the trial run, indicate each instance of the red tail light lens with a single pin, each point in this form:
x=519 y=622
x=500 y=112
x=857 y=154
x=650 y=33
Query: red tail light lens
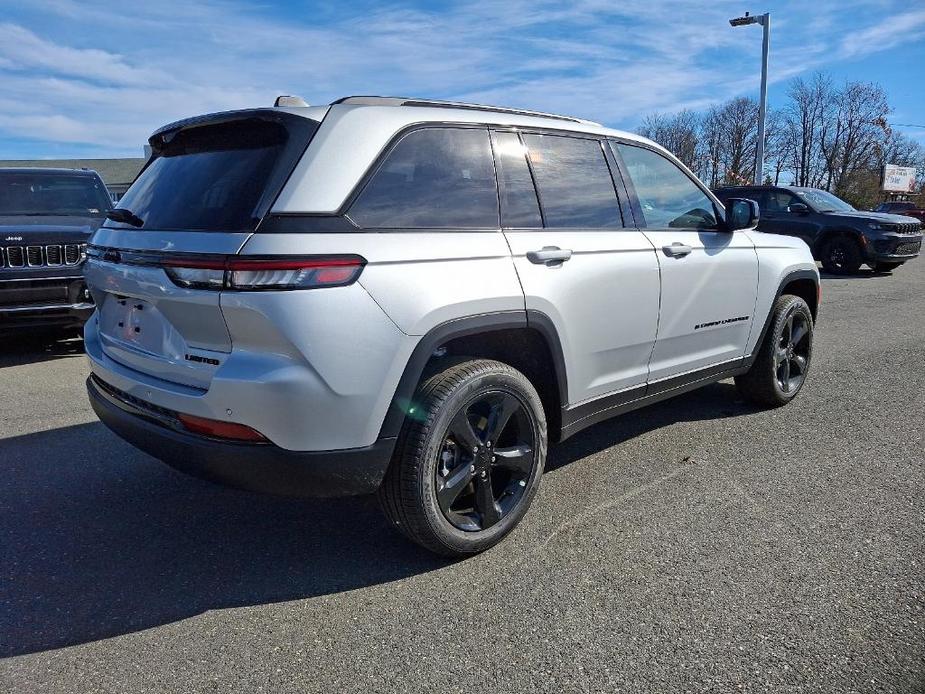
x=220 y=430
x=293 y=274
x=257 y=274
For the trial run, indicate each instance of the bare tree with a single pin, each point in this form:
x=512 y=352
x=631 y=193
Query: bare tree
x=824 y=137
x=679 y=134
x=778 y=146
x=853 y=132
x=729 y=133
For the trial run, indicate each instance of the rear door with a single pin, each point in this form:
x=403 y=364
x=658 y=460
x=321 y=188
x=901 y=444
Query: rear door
x=709 y=276
x=200 y=197
x=593 y=275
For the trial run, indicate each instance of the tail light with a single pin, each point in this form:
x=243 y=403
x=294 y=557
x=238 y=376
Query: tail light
x=260 y=274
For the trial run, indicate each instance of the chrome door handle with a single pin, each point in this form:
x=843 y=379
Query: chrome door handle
x=677 y=250
x=549 y=255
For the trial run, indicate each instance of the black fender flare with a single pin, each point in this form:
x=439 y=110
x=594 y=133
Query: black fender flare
x=461 y=327
x=785 y=280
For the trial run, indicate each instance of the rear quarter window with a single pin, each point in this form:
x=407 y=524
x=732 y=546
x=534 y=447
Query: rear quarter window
x=433 y=178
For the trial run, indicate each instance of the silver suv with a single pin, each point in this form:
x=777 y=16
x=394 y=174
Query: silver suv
x=415 y=297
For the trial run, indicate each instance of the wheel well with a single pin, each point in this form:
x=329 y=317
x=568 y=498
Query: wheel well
x=827 y=236
x=807 y=290
x=526 y=350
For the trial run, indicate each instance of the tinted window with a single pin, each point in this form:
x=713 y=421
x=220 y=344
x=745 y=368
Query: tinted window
x=777 y=200
x=669 y=198
x=823 y=201
x=51 y=194
x=574 y=182
x=519 y=206
x=433 y=178
x=894 y=206
x=209 y=178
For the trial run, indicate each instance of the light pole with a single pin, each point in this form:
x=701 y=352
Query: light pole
x=765 y=21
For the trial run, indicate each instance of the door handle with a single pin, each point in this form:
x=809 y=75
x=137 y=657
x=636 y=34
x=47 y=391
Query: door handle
x=677 y=250
x=549 y=255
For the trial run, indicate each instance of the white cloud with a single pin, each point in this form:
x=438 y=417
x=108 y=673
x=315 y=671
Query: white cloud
x=894 y=30
x=89 y=74
x=21 y=49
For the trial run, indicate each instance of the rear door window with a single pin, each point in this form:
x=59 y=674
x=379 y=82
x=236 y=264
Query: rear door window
x=433 y=178
x=668 y=197
x=214 y=177
x=574 y=183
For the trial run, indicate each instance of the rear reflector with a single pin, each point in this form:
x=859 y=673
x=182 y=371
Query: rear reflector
x=218 y=429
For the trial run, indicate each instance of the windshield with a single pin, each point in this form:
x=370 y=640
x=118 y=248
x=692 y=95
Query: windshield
x=822 y=201
x=56 y=194
x=214 y=177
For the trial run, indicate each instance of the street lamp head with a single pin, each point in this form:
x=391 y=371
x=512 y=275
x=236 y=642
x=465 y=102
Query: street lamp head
x=749 y=19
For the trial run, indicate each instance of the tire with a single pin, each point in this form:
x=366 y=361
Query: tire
x=436 y=489
x=884 y=266
x=841 y=255
x=769 y=381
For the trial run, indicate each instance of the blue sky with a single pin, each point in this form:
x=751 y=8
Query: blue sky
x=81 y=78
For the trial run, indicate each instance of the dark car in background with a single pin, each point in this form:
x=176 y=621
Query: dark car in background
x=46 y=217
x=906 y=208
x=840 y=236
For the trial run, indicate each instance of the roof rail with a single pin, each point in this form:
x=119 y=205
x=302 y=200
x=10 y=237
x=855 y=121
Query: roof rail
x=436 y=103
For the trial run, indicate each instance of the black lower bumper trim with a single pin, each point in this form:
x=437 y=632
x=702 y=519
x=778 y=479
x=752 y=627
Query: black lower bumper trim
x=44 y=317
x=261 y=468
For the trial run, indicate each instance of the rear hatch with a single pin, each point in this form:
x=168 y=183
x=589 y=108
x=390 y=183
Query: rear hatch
x=204 y=191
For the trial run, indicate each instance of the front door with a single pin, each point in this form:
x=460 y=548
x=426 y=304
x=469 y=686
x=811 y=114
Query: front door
x=709 y=276
x=777 y=218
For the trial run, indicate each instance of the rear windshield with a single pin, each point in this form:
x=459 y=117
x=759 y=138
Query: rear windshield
x=52 y=194
x=216 y=177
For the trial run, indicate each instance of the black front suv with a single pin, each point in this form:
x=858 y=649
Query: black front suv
x=46 y=217
x=839 y=235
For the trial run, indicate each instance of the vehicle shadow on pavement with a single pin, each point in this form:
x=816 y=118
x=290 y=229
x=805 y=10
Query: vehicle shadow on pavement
x=100 y=540
x=16 y=351
x=716 y=401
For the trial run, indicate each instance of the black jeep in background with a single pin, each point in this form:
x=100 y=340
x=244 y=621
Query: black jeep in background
x=839 y=235
x=46 y=217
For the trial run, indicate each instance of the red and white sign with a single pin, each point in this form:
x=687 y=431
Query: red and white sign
x=898 y=179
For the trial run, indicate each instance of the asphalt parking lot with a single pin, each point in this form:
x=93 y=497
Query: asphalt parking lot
x=698 y=545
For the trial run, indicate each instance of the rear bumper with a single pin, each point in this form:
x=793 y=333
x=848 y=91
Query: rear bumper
x=264 y=468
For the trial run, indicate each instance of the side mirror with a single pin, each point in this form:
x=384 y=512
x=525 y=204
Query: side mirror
x=741 y=213
x=798 y=208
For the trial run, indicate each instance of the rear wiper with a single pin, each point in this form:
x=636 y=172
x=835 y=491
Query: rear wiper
x=120 y=214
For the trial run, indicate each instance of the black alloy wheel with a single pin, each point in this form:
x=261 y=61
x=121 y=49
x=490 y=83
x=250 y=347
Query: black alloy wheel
x=779 y=369
x=468 y=463
x=486 y=461
x=842 y=255
x=791 y=358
